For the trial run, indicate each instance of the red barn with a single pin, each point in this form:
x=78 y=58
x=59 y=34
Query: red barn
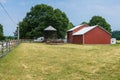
x=84 y=34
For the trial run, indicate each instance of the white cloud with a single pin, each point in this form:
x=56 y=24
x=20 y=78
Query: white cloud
x=83 y=10
x=76 y=10
x=110 y=13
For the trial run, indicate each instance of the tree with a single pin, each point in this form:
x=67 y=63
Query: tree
x=10 y=37
x=85 y=23
x=70 y=25
x=40 y=17
x=98 y=20
x=116 y=34
x=1 y=32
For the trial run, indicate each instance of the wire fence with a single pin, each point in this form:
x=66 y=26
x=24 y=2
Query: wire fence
x=7 y=46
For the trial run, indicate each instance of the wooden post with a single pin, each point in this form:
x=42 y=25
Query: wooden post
x=8 y=45
x=17 y=42
x=2 y=48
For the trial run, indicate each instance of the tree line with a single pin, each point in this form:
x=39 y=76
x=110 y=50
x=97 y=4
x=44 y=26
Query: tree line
x=2 y=36
x=116 y=34
x=98 y=20
x=41 y=16
x=1 y=32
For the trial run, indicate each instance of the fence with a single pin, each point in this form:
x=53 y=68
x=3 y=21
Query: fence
x=6 y=46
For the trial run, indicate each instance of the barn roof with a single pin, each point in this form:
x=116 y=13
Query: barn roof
x=84 y=30
x=50 y=28
x=74 y=28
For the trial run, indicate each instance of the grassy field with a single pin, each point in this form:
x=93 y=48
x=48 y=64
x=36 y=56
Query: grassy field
x=35 y=61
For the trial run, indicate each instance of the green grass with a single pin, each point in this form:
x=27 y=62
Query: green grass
x=36 y=61
x=118 y=41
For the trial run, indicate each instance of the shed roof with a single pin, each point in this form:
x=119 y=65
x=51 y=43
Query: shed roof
x=74 y=28
x=50 y=28
x=84 y=30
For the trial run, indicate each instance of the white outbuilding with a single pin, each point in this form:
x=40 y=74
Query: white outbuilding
x=113 y=40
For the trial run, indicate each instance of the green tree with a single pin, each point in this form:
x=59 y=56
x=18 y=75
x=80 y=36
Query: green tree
x=85 y=23
x=70 y=25
x=40 y=17
x=10 y=37
x=98 y=20
x=1 y=32
x=116 y=34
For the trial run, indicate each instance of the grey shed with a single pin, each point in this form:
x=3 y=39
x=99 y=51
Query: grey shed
x=50 y=33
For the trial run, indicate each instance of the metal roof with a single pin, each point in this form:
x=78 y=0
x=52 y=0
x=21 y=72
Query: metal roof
x=74 y=28
x=84 y=30
x=50 y=28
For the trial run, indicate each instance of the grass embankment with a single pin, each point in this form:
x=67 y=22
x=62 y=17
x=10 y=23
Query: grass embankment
x=32 y=61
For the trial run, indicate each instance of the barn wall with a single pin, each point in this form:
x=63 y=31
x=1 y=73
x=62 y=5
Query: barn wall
x=69 y=37
x=97 y=36
x=78 y=39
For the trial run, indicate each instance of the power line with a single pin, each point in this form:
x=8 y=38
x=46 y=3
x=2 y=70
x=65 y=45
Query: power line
x=7 y=13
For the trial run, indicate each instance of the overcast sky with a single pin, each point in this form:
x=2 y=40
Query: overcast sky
x=76 y=10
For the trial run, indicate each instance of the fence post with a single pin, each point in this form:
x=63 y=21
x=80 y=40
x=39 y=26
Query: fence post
x=8 y=45
x=2 y=48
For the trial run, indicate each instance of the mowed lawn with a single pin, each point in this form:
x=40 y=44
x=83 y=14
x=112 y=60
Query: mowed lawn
x=37 y=61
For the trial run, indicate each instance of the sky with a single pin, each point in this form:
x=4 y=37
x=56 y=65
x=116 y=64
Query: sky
x=76 y=10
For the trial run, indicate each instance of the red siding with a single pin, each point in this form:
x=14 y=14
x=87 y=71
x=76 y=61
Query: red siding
x=69 y=37
x=97 y=36
x=69 y=34
x=78 y=39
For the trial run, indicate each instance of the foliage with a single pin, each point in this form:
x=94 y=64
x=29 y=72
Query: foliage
x=40 y=17
x=10 y=37
x=33 y=61
x=85 y=23
x=16 y=32
x=1 y=32
x=98 y=20
x=70 y=25
x=116 y=34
